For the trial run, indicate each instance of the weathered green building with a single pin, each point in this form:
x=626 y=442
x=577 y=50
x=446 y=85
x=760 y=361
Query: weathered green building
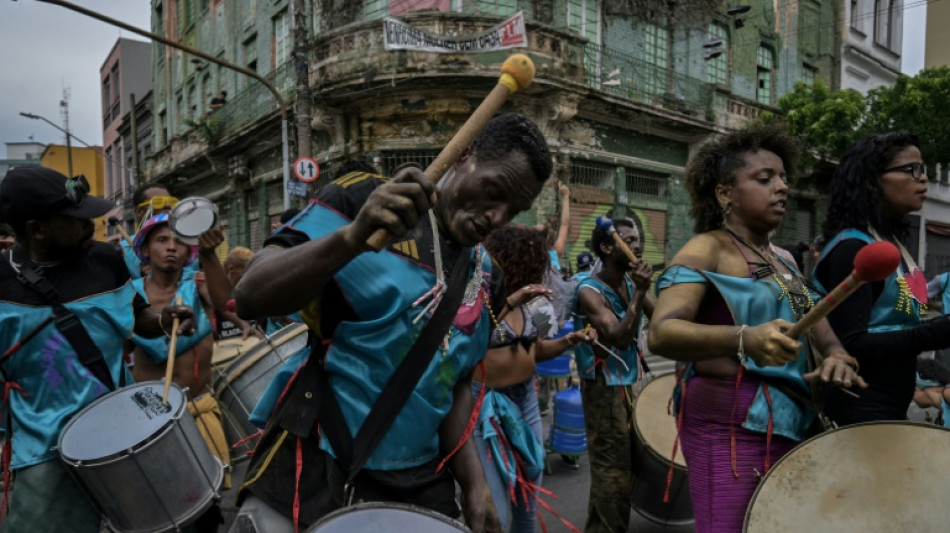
x=622 y=102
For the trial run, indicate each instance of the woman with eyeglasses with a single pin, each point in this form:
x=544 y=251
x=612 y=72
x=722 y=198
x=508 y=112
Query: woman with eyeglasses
x=881 y=180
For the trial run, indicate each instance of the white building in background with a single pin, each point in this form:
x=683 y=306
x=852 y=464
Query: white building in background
x=871 y=43
x=20 y=154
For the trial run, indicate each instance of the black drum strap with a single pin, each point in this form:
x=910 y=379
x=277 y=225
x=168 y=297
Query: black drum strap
x=352 y=453
x=67 y=323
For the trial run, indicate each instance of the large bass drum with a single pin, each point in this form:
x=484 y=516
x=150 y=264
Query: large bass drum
x=143 y=463
x=241 y=385
x=653 y=438
x=383 y=517
x=881 y=476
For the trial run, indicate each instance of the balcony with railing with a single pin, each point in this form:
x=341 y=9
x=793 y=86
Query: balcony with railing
x=627 y=76
x=247 y=107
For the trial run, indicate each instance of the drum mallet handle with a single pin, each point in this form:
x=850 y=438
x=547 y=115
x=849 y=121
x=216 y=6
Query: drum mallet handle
x=517 y=73
x=874 y=262
x=170 y=365
x=27 y=338
x=607 y=225
x=114 y=222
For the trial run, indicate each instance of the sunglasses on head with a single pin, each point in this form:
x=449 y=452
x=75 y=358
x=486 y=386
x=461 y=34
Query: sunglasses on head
x=160 y=202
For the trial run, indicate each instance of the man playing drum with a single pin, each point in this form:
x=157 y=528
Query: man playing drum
x=360 y=307
x=53 y=370
x=166 y=257
x=613 y=302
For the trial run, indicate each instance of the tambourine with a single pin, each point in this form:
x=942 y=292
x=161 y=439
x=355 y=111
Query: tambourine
x=541 y=312
x=192 y=217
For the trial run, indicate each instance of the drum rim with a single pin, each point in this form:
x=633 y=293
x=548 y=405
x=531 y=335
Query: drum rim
x=646 y=445
x=184 y=207
x=774 y=467
x=389 y=505
x=141 y=445
x=284 y=335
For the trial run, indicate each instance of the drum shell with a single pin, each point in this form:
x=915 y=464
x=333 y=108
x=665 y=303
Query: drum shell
x=652 y=466
x=874 y=476
x=385 y=516
x=163 y=482
x=240 y=388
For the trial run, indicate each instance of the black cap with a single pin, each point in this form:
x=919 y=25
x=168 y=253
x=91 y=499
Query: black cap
x=31 y=193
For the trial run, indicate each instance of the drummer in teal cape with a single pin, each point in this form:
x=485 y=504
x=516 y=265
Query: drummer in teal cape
x=723 y=306
x=167 y=257
x=360 y=307
x=613 y=302
x=880 y=181
x=59 y=369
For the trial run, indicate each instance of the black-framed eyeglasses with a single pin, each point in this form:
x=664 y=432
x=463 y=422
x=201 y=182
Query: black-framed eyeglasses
x=917 y=170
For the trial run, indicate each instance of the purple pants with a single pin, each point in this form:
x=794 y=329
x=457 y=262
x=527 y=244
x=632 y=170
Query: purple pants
x=719 y=497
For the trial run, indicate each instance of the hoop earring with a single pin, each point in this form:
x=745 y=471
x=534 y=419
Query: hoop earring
x=726 y=209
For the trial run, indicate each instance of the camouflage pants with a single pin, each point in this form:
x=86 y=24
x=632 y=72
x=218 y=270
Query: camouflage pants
x=608 y=419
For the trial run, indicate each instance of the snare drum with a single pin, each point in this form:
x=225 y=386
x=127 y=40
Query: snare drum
x=191 y=217
x=142 y=462
x=381 y=517
x=876 y=476
x=654 y=435
x=241 y=385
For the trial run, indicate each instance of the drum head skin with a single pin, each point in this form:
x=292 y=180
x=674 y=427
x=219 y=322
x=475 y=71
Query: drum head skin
x=228 y=349
x=119 y=421
x=654 y=423
x=191 y=217
x=885 y=476
x=380 y=517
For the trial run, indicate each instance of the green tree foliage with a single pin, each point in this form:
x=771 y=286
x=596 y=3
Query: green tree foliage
x=825 y=121
x=920 y=104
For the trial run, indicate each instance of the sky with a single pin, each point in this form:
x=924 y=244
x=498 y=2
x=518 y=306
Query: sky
x=44 y=48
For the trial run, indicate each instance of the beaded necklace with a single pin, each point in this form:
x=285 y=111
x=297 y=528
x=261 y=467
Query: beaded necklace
x=906 y=295
x=799 y=298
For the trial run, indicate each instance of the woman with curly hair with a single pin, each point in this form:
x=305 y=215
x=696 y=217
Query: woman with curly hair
x=880 y=180
x=723 y=307
x=513 y=463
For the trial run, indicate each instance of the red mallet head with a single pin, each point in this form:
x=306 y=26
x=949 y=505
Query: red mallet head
x=231 y=306
x=876 y=261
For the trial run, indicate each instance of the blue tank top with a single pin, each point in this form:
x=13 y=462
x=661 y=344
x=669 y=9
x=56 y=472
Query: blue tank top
x=615 y=371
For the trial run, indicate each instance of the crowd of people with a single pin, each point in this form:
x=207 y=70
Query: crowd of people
x=420 y=374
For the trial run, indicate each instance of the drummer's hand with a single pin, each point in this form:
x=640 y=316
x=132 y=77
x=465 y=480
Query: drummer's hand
x=480 y=513
x=186 y=324
x=248 y=329
x=209 y=240
x=767 y=344
x=526 y=294
x=587 y=335
x=395 y=206
x=838 y=368
x=642 y=275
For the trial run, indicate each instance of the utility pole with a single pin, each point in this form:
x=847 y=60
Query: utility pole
x=64 y=113
x=300 y=58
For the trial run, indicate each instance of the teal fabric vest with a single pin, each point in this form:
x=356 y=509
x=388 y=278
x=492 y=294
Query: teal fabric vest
x=944 y=293
x=884 y=315
x=754 y=302
x=615 y=372
x=55 y=384
x=157 y=349
x=363 y=354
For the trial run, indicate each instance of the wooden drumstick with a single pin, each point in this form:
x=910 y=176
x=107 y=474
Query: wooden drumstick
x=114 y=222
x=170 y=364
x=874 y=262
x=517 y=73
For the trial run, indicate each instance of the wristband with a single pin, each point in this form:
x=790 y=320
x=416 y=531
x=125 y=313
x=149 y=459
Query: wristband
x=741 y=353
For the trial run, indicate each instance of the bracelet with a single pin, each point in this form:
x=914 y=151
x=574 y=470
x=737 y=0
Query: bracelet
x=741 y=353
